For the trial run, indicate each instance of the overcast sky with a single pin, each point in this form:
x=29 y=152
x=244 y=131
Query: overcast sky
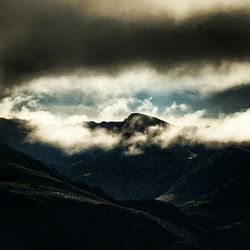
x=73 y=60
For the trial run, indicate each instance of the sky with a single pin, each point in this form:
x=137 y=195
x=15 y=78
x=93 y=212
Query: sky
x=68 y=61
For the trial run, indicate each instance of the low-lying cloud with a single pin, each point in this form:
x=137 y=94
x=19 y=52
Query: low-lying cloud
x=193 y=128
x=69 y=132
x=73 y=138
x=76 y=137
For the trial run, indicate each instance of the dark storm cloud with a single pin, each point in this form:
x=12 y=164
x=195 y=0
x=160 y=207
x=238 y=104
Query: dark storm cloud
x=231 y=100
x=44 y=37
x=227 y=101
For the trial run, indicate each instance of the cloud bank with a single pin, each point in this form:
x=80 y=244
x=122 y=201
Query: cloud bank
x=194 y=129
x=73 y=138
x=73 y=135
x=56 y=37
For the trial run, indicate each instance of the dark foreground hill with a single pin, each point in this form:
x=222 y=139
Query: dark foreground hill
x=40 y=209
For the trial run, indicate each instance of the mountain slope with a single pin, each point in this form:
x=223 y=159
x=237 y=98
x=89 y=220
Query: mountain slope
x=214 y=190
x=40 y=209
x=210 y=170
x=136 y=176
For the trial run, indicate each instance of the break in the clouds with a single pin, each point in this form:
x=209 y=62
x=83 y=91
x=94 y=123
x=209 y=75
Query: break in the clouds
x=109 y=97
x=113 y=97
x=56 y=37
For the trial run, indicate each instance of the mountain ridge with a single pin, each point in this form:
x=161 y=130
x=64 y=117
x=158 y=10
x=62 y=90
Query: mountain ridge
x=135 y=122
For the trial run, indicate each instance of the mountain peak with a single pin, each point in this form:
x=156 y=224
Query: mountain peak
x=137 y=122
x=136 y=114
x=144 y=119
x=139 y=116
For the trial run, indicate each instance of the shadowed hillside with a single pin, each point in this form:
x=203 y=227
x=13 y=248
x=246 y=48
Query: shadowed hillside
x=40 y=209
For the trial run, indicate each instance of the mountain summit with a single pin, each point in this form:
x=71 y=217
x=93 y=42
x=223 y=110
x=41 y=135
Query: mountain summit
x=139 y=122
x=148 y=120
x=135 y=122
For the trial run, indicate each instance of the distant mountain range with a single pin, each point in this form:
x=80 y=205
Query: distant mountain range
x=212 y=185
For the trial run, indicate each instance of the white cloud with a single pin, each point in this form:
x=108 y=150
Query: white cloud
x=193 y=127
x=73 y=138
x=231 y=128
x=76 y=119
x=113 y=97
x=147 y=107
x=66 y=133
x=115 y=109
x=147 y=9
x=142 y=79
x=177 y=109
x=133 y=150
x=70 y=134
x=191 y=119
